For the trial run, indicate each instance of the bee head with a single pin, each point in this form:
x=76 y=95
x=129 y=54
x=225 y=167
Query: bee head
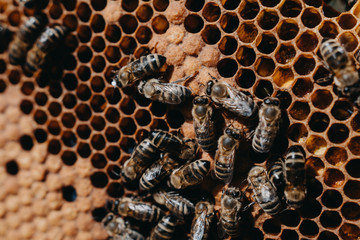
x=122 y=77
x=201 y=100
x=108 y=218
x=218 y=90
x=272 y=101
x=233 y=133
x=111 y=205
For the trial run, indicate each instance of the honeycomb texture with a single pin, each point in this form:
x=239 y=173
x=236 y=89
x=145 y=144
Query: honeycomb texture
x=65 y=130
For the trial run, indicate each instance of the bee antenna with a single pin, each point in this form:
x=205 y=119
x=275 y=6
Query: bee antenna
x=153 y=48
x=201 y=86
x=267 y=92
x=212 y=77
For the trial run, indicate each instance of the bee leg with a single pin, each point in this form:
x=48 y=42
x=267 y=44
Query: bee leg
x=248 y=206
x=213 y=78
x=324 y=80
x=184 y=79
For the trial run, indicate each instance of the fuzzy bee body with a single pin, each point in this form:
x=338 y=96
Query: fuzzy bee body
x=225 y=154
x=190 y=174
x=276 y=174
x=117 y=228
x=166 y=142
x=204 y=127
x=228 y=97
x=269 y=120
x=264 y=192
x=295 y=190
x=25 y=38
x=127 y=207
x=165 y=229
x=43 y=46
x=177 y=204
x=138 y=70
x=204 y=213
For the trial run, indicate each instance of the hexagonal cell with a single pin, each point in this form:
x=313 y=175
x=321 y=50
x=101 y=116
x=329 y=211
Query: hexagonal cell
x=309 y=228
x=245 y=56
x=113 y=171
x=287 y=29
x=211 y=34
x=319 y=122
x=98 y=160
x=285 y=53
x=98 y=64
x=40 y=135
x=288 y=234
x=354 y=145
x=128 y=44
x=330 y=219
x=336 y=156
x=144 y=13
x=98 y=142
x=143 y=34
x=99 y=179
x=314 y=166
x=338 y=133
x=160 y=24
x=291 y=8
x=268 y=19
x=26 y=106
x=54 y=127
x=211 y=12
x=352 y=189
x=113 y=95
x=112 y=115
x=83 y=131
x=229 y=22
x=68 y=138
x=355 y=123
x=112 y=33
x=302 y=87
x=193 y=23
x=283 y=77
x=84 y=54
x=249 y=9
x=349 y=231
x=160 y=5
x=40 y=117
x=321 y=99
x=113 y=152
x=112 y=134
x=310 y=209
x=97 y=84
x=127 y=126
x=348 y=41
x=26 y=142
x=230 y=4
x=245 y=78
x=159 y=124
x=334 y=178
x=347 y=21
x=112 y=54
x=329 y=29
x=289 y=218
x=285 y=99
x=84 y=12
x=311 y=17
x=271 y=226
x=115 y=190
x=351 y=211
x=127 y=144
x=314 y=189
x=227 y=67
x=264 y=66
x=307 y=41
x=331 y=199
x=297 y=132
x=263 y=89
x=97 y=23
x=266 y=43
x=98 y=123
x=228 y=45
x=316 y=145
x=54 y=146
x=247 y=32
x=353 y=168
x=299 y=110
x=342 y=110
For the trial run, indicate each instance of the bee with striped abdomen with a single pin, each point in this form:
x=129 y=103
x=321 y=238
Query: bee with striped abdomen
x=276 y=174
x=165 y=229
x=204 y=213
x=177 y=204
x=127 y=207
x=118 y=229
x=295 y=189
x=190 y=174
x=225 y=154
x=269 y=120
x=204 y=127
x=264 y=192
x=46 y=43
x=138 y=70
x=25 y=38
x=166 y=142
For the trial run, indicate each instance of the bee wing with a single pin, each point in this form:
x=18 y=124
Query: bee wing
x=221 y=231
x=198 y=227
x=153 y=172
x=230 y=159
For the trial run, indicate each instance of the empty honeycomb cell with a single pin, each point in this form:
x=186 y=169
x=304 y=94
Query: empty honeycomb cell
x=283 y=77
x=349 y=231
x=211 y=34
x=319 y=122
x=285 y=53
x=54 y=127
x=112 y=134
x=321 y=98
x=2 y=86
x=311 y=17
x=98 y=5
x=160 y=5
x=115 y=190
x=70 y=82
x=127 y=106
x=326 y=235
x=54 y=146
x=98 y=123
x=316 y=144
x=113 y=55
x=271 y=227
x=70 y=21
x=334 y=178
x=26 y=142
x=291 y=8
x=70 y=62
x=141 y=100
x=331 y=199
x=83 y=131
x=40 y=135
x=84 y=54
x=249 y=10
x=228 y=45
x=229 y=22
x=113 y=171
x=329 y=29
x=264 y=66
x=55 y=89
x=193 y=23
x=307 y=41
x=320 y=73
x=174 y=118
x=268 y=19
x=69 y=193
x=112 y=33
x=12 y=167
x=14 y=76
x=83 y=150
x=342 y=110
x=113 y=153
x=288 y=234
x=128 y=45
x=68 y=158
x=194 y=5
x=160 y=24
x=338 y=133
x=247 y=32
x=353 y=168
x=112 y=115
x=289 y=218
x=266 y=43
x=297 y=132
x=309 y=228
x=83 y=92
x=14 y=18
x=69 y=100
x=352 y=189
x=354 y=145
x=97 y=83
x=246 y=56
x=27 y=88
x=336 y=156
x=142 y=117
x=329 y=11
x=97 y=23
x=99 y=179
x=299 y=110
x=98 y=103
x=227 y=67
x=311 y=208
x=83 y=112
x=302 y=87
x=159 y=124
x=351 y=211
x=348 y=41
x=98 y=64
x=98 y=160
x=263 y=89
x=347 y=21
x=143 y=34
x=314 y=166
x=245 y=78
x=127 y=144
x=355 y=123
x=26 y=106
x=55 y=11
x=144 y=13
x=40 y=117
x=211 y=12
x=83 y=11
x=287 y=29
x=98 y=44
x=54 y=109
x=98 y=142
x=127 y=126
x=129 y=5
x=112 y=95
x=128 y=23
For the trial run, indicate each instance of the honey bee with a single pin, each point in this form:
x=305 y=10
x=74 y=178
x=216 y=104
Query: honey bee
x=202 y=114
x=177 y=204
x=204 y=213
x=264 y=191
x=166 y=142
x=43 y=46
x=190 y=174
x=118 y=229
x=165 y=229
x=225 y=154
x=163 y=167
x=276 y=174
x=25 y=38
x=295 y=190
x=127 y=207
x=138 y=70
x=269 y=120
x=170 y=93
x=231 y=99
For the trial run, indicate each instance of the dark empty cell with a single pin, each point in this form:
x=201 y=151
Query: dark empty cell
x=159 y=124
x=302 y=87
x=54 y=147
x=70 y=62
x=14 y=77
x=194 y=5
x=68 y=4
x=128 y=45
x=309 y=228
x=314 y=166
x=310 y=209
x=245 y=78
x=193 y=23
x=98 y=123
x=338 y=133
x=141 y=134
x=2 y=86
x=211 y=12
x=349 y=231
x=127 y=106
x=113 y=153
x=289 y=218
x=211 y=34
x=157 y=109
x=114 y=172
x=14 y=18
x=304 y=65
x=144 y=13
x=347 y=21
x=128 y=145
x=115 y=190
x=331 y=199
x=321 y=98
x=12 y=167
x=69 y=139
x=55 y=11
x=129 y=5
x=247 y=32
x=97 y=83
x=98 y=142
x=291 y=8
x=54 y=127
x=127 y=126
x=319 y=122
x=69 y=158
x=229 y=22
x=320 y=73
x=83 y=92
x=98 y=64
x=326 y=235
x=128 y=23
x=112 y=115
x=249 y=10
x=99 y=179
x=264 y=66
x=2 y=66
x=175 y=119
x=299 y=110
x=84 y=54
x=68 y=193
x=83 y=150
x=69 y=101
x=228 y=45
x=246 y=56
x=285 y=98
x=334 y=178
x=98 y=5
x=330 y=219
x=336 y=156
x=266 y=43
x=112 y=134
x=329 y=29
x=353 y=168
x=227 y=67
x=112 y=33
x=143 y=117
x=311 y=17
x=263 y=89
x=314 y=187
x=352 y=189
x=289 y=235
x=99 y=213
x=141 y=100
x=97 y=23
x=83 y=112
x=271 y=226
x=268 y=19
x=354 y=145
x=71 y=42
x=160 y=5
x=98 y=103
x=230 y=4
x=307 y=41
x=348 y=41
x=27 y=88
x=143 y=34
x=54 y=109
x=98 y=44
x=83 y=131
x=287 y=30
x=70 y=22
x=269 y=3
x=84 y=12
x=70 y=81
x=98 y=160
x=40 y=117
x=160 y=24
x=355 y=123
x=112 y=95
x=55 y=89
x=351 y=211
x=40 y=135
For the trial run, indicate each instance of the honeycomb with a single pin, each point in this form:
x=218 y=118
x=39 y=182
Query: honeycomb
x=65 y=130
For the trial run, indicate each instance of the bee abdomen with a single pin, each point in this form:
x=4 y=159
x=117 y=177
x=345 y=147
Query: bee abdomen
x=334 y=54
x=207 y=141
x=165 y=141
x=276 y=174
x=273 y=206
x=231 y=227
x=147 y=65
x=261 y=143
x=147 y=212
x=197 y=170
x=151 y=178
x=165 y=229
x=223 y=171
x=147 y=151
